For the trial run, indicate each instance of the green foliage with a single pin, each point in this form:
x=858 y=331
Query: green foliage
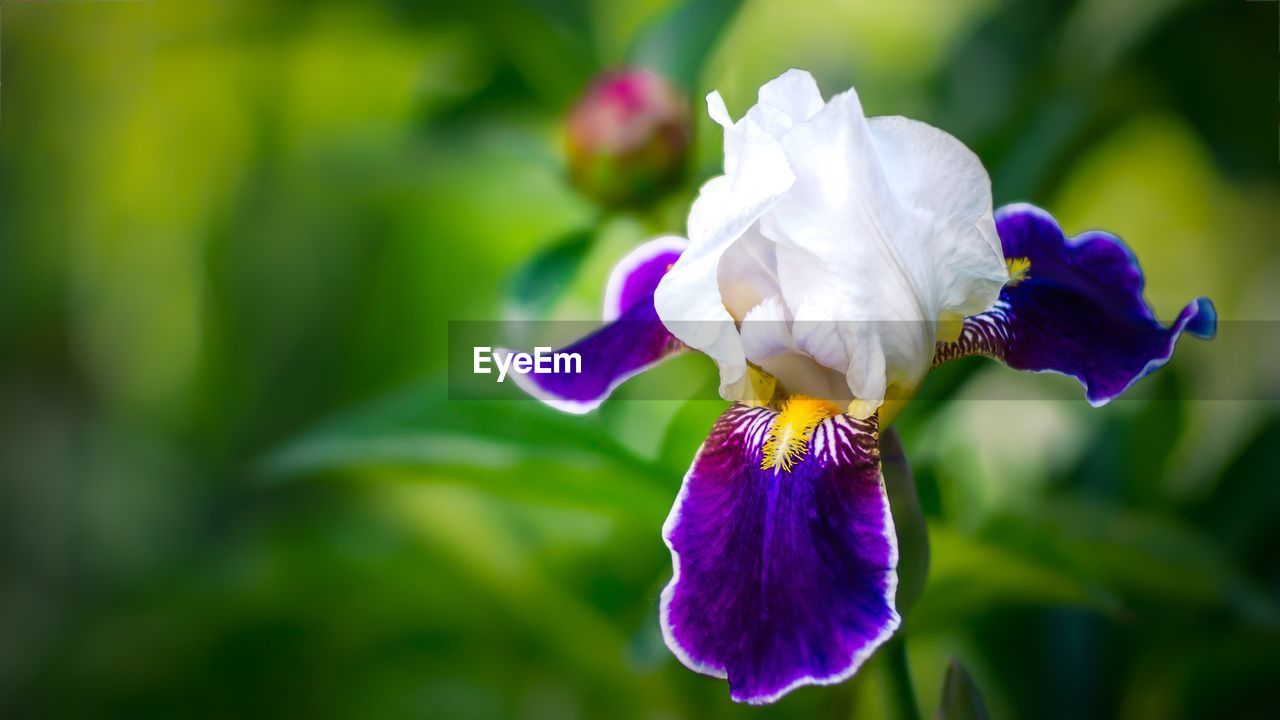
x=496 y=448
x=676 y=44
x=537 y=285
x=232 y=481
x=908 y=521
x=960 y=697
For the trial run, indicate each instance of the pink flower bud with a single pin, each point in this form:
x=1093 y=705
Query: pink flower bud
x=628 y=137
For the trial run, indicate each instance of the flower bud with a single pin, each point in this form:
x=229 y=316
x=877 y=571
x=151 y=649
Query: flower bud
x=628 y=137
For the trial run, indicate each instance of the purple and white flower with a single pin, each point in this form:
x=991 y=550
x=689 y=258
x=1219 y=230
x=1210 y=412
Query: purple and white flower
x=835 y=262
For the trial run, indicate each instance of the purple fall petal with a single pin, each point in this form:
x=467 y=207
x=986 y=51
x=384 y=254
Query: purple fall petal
x=632 y=340
x=782 y=578
x=610 y=356
x=1080 y=311
x=636 y=276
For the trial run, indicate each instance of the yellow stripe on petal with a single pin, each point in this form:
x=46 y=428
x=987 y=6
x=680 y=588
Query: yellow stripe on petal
x=788 y=438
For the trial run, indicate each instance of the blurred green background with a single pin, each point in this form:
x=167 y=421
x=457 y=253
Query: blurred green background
x=234 y=233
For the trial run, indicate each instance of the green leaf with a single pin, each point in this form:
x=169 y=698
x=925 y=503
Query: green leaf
x=493 y=556
x=518 y=448
x=539 y=283
x=897 y=690
x=1082 y=553
x=969 y=575
x=686 y=432
x=676 y=44
x=908 y=520
x=960 y=697
x=1143 y=557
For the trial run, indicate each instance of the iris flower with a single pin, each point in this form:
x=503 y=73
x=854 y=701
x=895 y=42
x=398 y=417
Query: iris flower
x=836 y=260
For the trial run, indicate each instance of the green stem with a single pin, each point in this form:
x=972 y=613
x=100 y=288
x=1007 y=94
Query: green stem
x=895 y=681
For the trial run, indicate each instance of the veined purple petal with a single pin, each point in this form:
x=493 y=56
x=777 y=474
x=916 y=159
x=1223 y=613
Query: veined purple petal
x=636 y=276
x=632 y=340
x=782 y=578
x=1079 y=311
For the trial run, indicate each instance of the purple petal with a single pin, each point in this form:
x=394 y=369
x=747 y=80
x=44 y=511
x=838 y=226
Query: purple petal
x=609 y=356
x=632 y=340
x=636 y=276
x=1080 y=311
x=782 y=578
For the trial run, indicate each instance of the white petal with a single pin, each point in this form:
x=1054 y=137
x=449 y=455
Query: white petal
x=855 y=236
x=875 y=236
x=784 y=102
x=799 y=374
x=729 y=204
x=688 y=299
x=733 y=132
x=768 y=342
x=766 y=331
x=717 y=110
x=936 y=176
x=795 y=93
x=748 y=273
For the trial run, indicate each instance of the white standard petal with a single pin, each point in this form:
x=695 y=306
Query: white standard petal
x=887 y=227
x=748 y=273
x=766 y=331
x=688 y=299
x=944 y=184
x=837 y=243
x=847 y=262
x=795 y=93
x=768 y=341
x=784 y=102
